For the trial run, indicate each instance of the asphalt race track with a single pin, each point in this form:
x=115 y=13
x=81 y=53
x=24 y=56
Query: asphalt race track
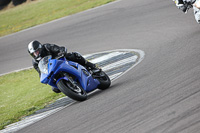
x=159 y=95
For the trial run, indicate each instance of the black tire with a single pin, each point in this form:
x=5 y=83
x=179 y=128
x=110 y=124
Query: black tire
x=104 y=81
x=67 y=88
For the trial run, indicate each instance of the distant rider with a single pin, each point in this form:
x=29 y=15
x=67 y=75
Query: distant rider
x=38 y=51
x=185 y=5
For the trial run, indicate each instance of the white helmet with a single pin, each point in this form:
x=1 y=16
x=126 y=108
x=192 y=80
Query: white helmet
x=35 y=49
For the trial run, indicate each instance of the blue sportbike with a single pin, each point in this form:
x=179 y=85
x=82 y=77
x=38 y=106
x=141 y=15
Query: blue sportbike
x=71 y=78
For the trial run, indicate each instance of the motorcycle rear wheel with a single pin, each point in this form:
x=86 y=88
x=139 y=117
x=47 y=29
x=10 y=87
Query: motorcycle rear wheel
x=104 y=80
x=75 y=92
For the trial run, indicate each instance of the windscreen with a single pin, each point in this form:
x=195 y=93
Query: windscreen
x=43 y=64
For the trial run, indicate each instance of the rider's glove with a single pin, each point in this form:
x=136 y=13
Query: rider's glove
x=61 y=54
x=62 y=51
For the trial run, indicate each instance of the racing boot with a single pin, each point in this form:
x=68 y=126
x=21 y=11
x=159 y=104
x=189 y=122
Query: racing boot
x=92 y=67
x=75 y=56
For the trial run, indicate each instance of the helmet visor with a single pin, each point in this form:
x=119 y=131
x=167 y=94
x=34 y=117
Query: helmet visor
x=35 y=54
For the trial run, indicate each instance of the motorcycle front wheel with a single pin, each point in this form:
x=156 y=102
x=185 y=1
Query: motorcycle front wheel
x=74 y=91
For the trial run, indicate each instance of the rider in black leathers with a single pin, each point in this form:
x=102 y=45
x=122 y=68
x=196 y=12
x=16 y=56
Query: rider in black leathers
x=38 y=51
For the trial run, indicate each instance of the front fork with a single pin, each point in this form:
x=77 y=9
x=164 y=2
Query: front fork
x=70 y=79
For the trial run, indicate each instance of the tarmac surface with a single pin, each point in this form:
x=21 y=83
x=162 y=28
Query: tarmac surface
x=160 y=95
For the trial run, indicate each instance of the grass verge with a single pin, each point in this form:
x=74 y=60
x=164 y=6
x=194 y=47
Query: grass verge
x=41 y=11
x=21 y=94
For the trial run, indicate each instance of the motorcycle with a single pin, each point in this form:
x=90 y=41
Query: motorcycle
x=71 y=78
x=186 y=5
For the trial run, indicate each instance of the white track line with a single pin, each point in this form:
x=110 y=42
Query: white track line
x=120 y=63
x=106 y=57
x=115 y=75
x=16 y=71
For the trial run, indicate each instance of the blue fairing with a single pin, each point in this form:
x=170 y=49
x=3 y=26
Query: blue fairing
x=55 y=66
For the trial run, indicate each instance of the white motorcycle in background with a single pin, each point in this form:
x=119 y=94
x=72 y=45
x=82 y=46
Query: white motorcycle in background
x=185 y=5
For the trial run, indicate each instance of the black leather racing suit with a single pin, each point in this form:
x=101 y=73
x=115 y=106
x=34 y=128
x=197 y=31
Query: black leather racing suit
x=54 y=50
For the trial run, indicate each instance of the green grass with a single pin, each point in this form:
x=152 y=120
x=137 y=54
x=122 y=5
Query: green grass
x=41 y=11
x=21 y=94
